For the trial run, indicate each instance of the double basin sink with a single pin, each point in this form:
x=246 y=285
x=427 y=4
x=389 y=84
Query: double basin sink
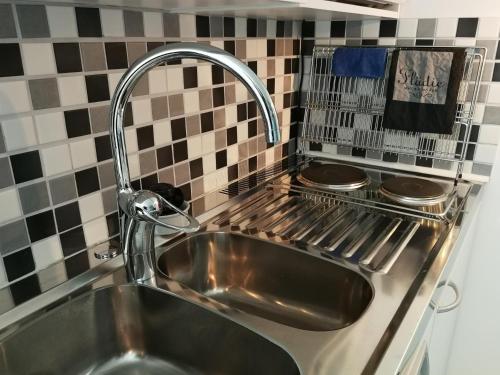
x=132 y=329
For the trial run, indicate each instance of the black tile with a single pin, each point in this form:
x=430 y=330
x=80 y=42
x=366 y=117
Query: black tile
x=88 y=21
x=251 y=109
x=296 y=46
x=186 y=191
x=337 y=29
x=359 y=152
x=308 y=29
x=19 y=264
x=218 y=96
x=287 y=100
x=77 y=122
x=229 y=46
x=116 y=55
x=152 y=45
x=217 y=74
x=190 y=77
x=469 y=153
x=467 y=27
x=388 y=28
x=12 y=64
x=369 y=42
x=232 y=172
x=496 y=73
x=251 y=27
x=229 y=27
x=180 y=151
x=67 y=216
x=149 y=181
x=103 y=148
x=221 y=159
x=77 y=264
x=497 y=57
x=202 y=26
x=25 y=289
x=178 y=128
x=207 y=121
x=87 y=181
x=67 y=57
x=145 y=137
x=271 y=47
x=26 y=166
x=424 y=42
x=315 y=146
x=423 y=162
x=252 y=128
x=113 y=224
x=253 y=65
x=391 y=157
x=164 y=156
x=97 y=87
x=270 y=85
x=280 y=29
x=41 y=225
x=474 y=133
x=72 y=241
x=231 y=136
x=252 y=164
x=241 y=112
x=307 y=47
x=128 y=117
x=136 y=184
x=288 y=66
x=196 y=167
x=295 y=65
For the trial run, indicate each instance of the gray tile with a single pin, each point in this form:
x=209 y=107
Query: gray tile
x=7 y=24
x=2 y=142
x=426 y=28
x=147 y=162
x=34 y=197
x=481 y=169
x=407 y=159
x=13 y=236
x=33 y=21
x=93 y=56
x=44 y=93
x=134 y=23
x=344 y=150
x=176 y=105
x=488 y=72
x=405 y=42
x=159 y=107
x=62 y=189
x=5 y=173
x=442 y=164
x=193 y=125
x=491 y=115
x=171 y=25
x=261 y=28
x=353 y=42
x=53 y=275
x=99 y=119
x=491 y=47
x=353 y=29
x=371 y=154
x=182 y=173
x=166 y=175
x=135 y=50
x=109 y=201
x=107 y=175
x=216 y=27
x=142 y=86
x=444 y=42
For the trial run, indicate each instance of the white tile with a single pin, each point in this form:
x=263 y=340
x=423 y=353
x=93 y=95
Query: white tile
x=157 y=81
x=3 y=275
x=62 y=22
x=269 y=156
x=370 y=28
x=112 y=22
x=485 y=153
x=38 y=58
x=10 y=205
x=494 y=93
x=91 y=207
x=271 y=28
x=194 y=146
x=50 y=127
x=141 y=110
x=14 y=97
x=210 y=182
x=83 y=153
x=72 y=90
x=134 y=166
x=251 y=48
x=231 y=115
x=241 y=92
x=95 y=231
x=153 y=24
x=209 y=163
x=489 y=134
x=285 y=134
x=240 y=27
x=262 y=69
x=19 y=132
x=479 y=113
x=221 y=177
x=191 y=102
x=387 y=41
x=280 y=66
x=446 y=27
x=217 y=43
x=488 y=27
x=187 y=25
x=56 y=159
x=208 y=142
x=232 y=154
x=162 y=133
x=47 y=252
x=175 y=79
x=338 y=41
x=131 y=140
x=113 y=79
x=242 y=131
x=465 y=42
x=204 y=75
x=407 y=28
x=261 y=48
x=322 y=29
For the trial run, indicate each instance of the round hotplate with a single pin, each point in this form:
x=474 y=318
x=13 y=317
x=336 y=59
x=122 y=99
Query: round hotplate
x=413 y=191
x=333 y=176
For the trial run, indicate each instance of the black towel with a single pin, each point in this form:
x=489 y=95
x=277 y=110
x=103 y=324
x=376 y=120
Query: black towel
x=422 y=90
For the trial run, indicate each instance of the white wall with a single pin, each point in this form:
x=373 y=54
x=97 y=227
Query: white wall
x=449 y=8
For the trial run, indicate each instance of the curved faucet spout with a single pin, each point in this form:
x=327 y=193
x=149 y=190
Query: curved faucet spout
x=139 y=210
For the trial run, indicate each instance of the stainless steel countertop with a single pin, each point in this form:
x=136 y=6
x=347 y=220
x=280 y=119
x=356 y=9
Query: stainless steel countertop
x=376 y=343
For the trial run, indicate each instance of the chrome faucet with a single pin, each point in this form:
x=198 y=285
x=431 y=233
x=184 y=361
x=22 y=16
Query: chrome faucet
x=139 y=210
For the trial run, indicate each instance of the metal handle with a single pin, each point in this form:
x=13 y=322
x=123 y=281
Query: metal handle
x=451 y=306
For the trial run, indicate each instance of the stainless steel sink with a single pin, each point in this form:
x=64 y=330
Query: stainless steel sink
x=268 y=280
x=137 y=330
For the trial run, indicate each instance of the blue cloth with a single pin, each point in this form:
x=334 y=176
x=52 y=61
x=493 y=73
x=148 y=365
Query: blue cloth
x=359 y=62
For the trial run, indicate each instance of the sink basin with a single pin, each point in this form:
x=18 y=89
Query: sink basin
x=137 y=330
x=268 y=280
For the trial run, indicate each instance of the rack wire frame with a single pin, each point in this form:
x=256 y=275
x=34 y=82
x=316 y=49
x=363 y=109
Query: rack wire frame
x=349 y=111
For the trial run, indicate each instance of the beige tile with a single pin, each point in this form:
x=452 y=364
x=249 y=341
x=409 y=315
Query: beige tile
x=288 y=47
x=181 y=172
x=243 y=168
x=142 y=86
x=261 y=160
x=243 y=150
x=198 y=206
x=93 y=56
x=206 y=99
x=252 y=147
x=166 y=175
x=261 y=143
x=135 y=50
x=230 y=93
x=287 y=83
x=271 y=67
x=220 y=140
x=220 y=118
x=280 y=47
x=147 y=162
x=241 y=49
x=193 y=125
x=176 y=105
x=229 y=77
x=196 y=188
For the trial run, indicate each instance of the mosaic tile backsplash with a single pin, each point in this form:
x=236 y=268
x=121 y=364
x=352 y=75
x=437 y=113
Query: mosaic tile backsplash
x=481 y=32
x=188 y=123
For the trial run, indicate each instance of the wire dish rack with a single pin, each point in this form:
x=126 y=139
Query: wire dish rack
x=348 y=111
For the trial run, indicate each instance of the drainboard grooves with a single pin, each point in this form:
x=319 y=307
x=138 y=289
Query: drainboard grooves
x=339 y=237
x=280 y=217
x=380 y=241
x=258 y=220
x=352 y=243
x=309 y=227
x=254 y=213
x=261 y=198
x=300 y=220
x=340 y=221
